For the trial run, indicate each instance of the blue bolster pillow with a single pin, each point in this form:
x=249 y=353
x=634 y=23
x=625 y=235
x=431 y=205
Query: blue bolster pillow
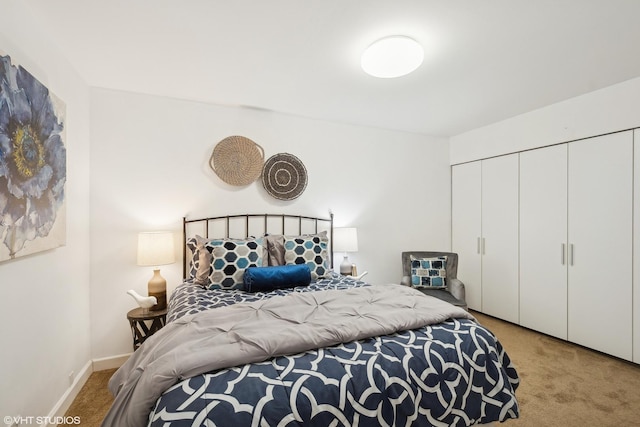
x=263 y=279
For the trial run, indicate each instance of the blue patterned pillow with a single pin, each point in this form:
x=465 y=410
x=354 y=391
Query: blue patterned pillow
x=231 y=257
x=310 y=250
x=429 y=272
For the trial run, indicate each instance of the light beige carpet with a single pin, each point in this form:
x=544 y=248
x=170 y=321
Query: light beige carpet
x=562 y=385
x=94 y=399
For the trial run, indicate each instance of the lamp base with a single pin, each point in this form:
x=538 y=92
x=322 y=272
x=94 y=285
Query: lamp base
x=157 y=287
x=345 y=266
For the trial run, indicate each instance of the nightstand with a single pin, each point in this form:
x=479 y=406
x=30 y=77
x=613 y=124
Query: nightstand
x=143 y=325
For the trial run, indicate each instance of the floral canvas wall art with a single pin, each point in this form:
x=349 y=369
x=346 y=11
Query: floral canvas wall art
x=33 y=164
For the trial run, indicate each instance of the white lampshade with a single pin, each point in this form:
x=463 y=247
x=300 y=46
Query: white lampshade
x=392 y=56
x=156 y=248
x=345 y=239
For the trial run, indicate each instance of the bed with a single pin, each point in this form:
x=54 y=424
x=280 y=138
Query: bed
x=263 y=333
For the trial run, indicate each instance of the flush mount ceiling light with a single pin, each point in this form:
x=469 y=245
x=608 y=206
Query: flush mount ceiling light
x=392 y=56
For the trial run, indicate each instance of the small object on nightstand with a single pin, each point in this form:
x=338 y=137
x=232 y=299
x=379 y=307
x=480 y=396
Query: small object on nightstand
x=364 y=273
x=143 y=325
x=144 y=302
x=358 y=277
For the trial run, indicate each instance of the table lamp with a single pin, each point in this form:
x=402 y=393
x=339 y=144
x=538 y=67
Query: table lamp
x=345 y=240
x=154 y=249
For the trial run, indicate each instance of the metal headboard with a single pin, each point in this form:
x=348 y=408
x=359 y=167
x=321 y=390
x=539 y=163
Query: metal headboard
x=253 y=225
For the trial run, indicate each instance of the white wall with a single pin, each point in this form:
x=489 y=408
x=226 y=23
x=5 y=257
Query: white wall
x=149 y=168
x=44 y=298
x=606 y=110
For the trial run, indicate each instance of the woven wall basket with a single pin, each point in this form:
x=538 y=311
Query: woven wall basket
x=284 y=176
x=237 y=160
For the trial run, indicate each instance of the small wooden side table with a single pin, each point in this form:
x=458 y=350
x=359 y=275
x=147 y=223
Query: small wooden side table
x=143 y=325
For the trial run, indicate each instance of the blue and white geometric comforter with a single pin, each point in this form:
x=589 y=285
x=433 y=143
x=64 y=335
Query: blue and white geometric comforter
x=453 y=373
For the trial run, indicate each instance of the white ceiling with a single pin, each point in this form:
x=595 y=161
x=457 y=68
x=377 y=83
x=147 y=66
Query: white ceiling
x=485 y=60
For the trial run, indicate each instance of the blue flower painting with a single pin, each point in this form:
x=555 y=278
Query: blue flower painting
x=33 y=164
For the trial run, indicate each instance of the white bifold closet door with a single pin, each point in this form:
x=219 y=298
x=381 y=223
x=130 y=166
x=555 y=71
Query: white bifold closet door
x=543 y=240
x=600 y=209
x=466 y=228
x=636 y=249
x=499 y=242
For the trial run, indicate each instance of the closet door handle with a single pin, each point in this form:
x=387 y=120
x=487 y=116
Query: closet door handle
x=571 y=254
x=484 y=251
x=562 y=260
x=478 y=246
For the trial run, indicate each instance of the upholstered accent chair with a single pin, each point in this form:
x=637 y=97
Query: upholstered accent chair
x=453 y=292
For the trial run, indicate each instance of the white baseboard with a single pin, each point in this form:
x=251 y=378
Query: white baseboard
x=110 y=362
x=58 y=411
x=67 y=398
